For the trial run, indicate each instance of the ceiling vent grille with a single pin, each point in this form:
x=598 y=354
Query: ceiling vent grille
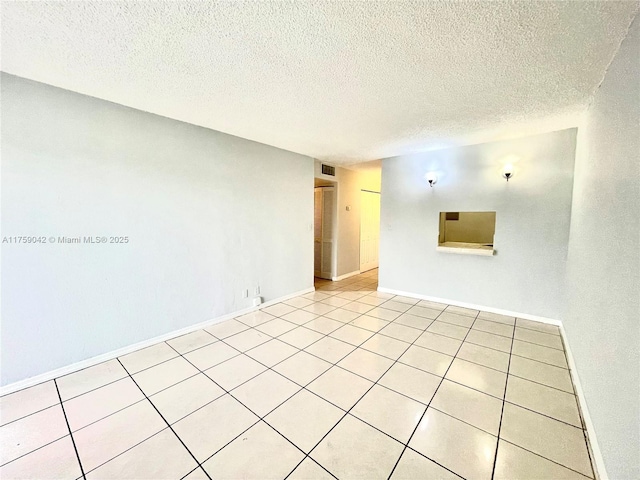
x=328 y=170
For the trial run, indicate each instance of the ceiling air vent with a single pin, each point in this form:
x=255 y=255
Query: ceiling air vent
x=328 y=170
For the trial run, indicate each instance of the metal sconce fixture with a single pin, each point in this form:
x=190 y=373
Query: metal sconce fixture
x=507 y=171
x=432 y=178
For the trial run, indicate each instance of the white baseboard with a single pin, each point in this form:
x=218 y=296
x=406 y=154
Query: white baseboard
x=473 y=306
x=596 y=453
x=594 y=449
x=346 y=275
x=89 y=362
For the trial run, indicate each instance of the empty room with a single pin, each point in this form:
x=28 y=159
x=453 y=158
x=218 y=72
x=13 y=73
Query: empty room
x=320 y=239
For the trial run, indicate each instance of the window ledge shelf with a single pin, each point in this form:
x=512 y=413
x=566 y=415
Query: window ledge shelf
x=466 y=249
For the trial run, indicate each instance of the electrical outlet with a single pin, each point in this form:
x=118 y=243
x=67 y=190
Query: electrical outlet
x=258 y=290
x=245 y=293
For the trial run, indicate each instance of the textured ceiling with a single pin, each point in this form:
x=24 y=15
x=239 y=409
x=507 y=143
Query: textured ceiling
x=340 y=81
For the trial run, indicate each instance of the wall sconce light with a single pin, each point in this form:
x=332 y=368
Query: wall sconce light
x=507 y=171
x=432 y=178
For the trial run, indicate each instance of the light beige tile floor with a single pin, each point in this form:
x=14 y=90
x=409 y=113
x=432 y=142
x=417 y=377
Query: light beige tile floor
x=345 y=382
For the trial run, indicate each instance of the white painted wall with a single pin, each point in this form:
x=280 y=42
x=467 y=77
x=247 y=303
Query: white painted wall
x=603 y=276
x=532 y=223
x=207 y=215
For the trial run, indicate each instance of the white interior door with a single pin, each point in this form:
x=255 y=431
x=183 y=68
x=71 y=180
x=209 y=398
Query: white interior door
x=324 y=198
x=369 y=230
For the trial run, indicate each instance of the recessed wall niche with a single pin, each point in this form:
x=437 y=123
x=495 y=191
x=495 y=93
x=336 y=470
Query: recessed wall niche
x=469 y=233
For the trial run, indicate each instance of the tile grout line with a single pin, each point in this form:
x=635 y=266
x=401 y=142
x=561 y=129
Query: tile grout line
x=585 y=434
x=260 y=418
x=131 y=447
x=547 y=459
x=316 y=341
x=306 y=456
x=302 y=388
x=466 y=422
x=107 y=416
x=264 y=365
x=504 y=401
x=228 y=392
x=347 y=412
x=543 y=415
x=373 y=333
x=143 y=399
x=435 y=392
x=32 y=451
x=514 y=325
x=75 y=448
x=147 y=368
x=539 y=361
x=27 y=416
x=541 y=384
x=438 y=351
x=189 y=473
x=94 y=389
x=361 y=397
x=350 y=323
x=537 y=344
x=89 y=391
x=162 y=416
x=334 y=365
